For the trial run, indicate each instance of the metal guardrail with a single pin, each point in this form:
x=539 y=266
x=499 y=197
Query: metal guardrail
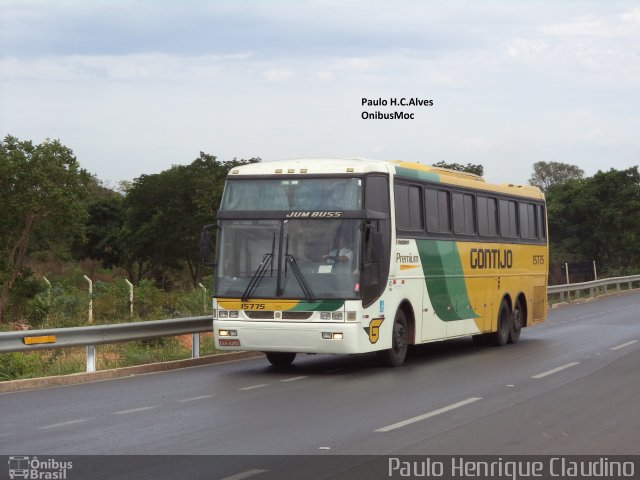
x=593 y=286
x=28 y=340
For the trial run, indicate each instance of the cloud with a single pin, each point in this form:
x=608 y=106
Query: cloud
x=279 y=74
x=478 y=143
x=138 y=87
x=135 y=67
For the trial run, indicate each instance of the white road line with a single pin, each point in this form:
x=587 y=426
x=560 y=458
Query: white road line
x=555 y=370
x=252 y=387
x=419 y=418
x=247 y=474
x=624 y=345
x=293 y=379
x=64 y=424
x=135 y=410
x=193 y=399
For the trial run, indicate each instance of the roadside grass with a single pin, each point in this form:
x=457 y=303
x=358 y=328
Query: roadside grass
x=54 y=362
x=66 y=304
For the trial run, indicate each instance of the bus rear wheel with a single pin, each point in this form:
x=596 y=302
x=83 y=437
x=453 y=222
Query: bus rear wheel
x=395 y=356
x=517 y=322
x=501 y=336
x=280 y=359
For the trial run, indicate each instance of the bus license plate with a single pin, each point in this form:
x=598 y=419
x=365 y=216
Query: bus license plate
x=228 y=342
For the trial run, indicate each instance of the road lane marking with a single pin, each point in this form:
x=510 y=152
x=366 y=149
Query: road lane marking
x=439 y=411
x=252 y=387
x=247 y=474
x=64 y=424
x=193 y=399
x=135 y=410
x=556 y=370
x=624 y=345
x=293 y=379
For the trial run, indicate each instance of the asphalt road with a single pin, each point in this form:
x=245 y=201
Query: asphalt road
x=570 y=386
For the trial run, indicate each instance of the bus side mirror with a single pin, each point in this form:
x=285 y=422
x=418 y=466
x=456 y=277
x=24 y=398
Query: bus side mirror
x=207 y=245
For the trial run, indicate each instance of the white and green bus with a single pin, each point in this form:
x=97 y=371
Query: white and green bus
x=353 y=256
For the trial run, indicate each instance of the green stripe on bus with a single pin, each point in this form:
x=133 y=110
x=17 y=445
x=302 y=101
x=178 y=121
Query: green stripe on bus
x=419 y=174
x=319 y=306
x=445 y=279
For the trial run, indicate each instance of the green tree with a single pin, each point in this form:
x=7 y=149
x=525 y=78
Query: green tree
x=165 y=213
x=104 y=230
x=546 y=174
x=597 y=218
x=42 y=188
x=469 y=167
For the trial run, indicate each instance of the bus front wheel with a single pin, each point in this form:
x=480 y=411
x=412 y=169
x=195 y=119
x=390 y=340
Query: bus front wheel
x=280 y=359
x=394 y=357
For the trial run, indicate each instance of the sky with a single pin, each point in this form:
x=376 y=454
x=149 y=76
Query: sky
x=134 y=87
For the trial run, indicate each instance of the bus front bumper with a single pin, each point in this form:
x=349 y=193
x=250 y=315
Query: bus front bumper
x=337 y=338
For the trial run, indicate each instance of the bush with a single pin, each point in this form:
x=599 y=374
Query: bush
x=16 y=365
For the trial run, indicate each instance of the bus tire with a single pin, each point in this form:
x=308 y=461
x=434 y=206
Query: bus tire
x=517 y=321
x=501 y=336
x=280 y=359
x=395 y=356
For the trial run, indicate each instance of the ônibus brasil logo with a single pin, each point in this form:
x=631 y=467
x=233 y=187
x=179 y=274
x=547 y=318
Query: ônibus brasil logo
x=32 y=468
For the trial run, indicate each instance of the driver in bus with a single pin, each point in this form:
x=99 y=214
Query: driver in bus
x=340 y=253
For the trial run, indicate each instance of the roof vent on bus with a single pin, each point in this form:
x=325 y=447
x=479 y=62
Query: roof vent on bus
x=234 y=172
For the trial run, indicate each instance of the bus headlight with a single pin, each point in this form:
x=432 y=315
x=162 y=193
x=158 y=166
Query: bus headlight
x=325 y=316
x=332 y=336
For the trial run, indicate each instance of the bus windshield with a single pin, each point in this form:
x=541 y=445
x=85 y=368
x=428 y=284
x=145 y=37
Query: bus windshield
x=293 y=194
x=292 y=259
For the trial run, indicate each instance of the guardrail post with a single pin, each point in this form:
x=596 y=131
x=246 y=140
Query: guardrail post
x=561 y=297
x=606 y=289
x=90 y=298
x=618 y=287
x=130 y=297
x=46 y=280
x=91 y=358
x=195 y=345
x=591 y=291
x=204 y=290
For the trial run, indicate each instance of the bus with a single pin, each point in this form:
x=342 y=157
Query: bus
x=350 y=256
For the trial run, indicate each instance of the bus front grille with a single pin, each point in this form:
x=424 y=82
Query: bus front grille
x=259 y=314
x=270 y=315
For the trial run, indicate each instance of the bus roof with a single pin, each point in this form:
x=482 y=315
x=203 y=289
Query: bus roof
x=398 y=167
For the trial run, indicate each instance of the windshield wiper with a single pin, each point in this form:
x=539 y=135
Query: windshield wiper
x=267 y=260
x=290 y=261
